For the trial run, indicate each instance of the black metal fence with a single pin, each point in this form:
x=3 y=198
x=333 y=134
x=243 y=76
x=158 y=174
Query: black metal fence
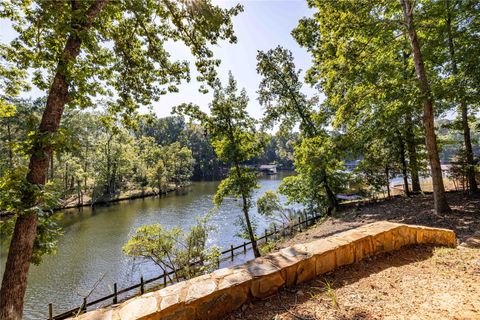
x=165 y=278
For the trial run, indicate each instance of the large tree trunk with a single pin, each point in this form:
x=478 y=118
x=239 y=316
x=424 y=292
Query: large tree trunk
x=463 y=109
x=14 y=282
x=440 y=199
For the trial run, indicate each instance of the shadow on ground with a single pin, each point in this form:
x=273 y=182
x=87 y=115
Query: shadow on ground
x=287 y=300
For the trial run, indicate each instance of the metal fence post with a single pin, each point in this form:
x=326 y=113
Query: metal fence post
x=244 y=247
x=50 y=311
x=115 y=300
x=299 y=224
x=84 y=304
x=142 y=289
x=266 y=235
x=231 y=250
x=164 y=278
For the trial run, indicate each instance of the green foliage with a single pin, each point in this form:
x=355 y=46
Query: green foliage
x=233 y=136
x=280 y=94
x=239 y=182
x=175 y=249
x=178 y=162
x=270 y=206
x=235 y=141
x=123 y=51
x=242 y=226
x=113 y=51
x=362 y=63
x=459 y=169
x=319 y=168
x=12 y=187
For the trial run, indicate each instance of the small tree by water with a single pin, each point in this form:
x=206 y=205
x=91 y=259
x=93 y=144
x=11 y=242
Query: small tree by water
x=184 y=252
x=235 y=141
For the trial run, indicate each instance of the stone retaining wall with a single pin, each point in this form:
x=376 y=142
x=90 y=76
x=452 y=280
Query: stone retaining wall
x=215 y=294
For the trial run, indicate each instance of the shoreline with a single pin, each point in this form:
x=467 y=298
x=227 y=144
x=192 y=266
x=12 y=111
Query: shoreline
x=129 y=195
x=134 y=194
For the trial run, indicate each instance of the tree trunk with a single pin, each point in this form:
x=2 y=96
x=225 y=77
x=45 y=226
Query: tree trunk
x=410 y=133
x=440 y=199
x=108 y=186
x=412 y=156
x=331 y=198
x=387 y=177
x=256 y=252
x=14 y=282
x=403 y=161
x=463 y=109
x=85 y=168
x=65 y=177
x=10 y=151
x=16 y=269
x=52 y=172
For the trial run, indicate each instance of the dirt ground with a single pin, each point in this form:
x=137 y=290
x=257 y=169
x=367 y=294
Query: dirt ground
x=417 y=282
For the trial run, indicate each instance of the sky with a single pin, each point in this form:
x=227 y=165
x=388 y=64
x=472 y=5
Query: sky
x=263 y=25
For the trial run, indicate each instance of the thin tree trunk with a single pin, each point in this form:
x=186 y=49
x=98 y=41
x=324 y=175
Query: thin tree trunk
x=79 y=192
x=10 y=152
x=410 y=133
x=256 y=252
x=463 y=109
x=387 y=177
x=52 y=172
x=440 y=199
x=85 y=168
x=412 y=156
x=65 y=177
x=108 y=164
x=14 y=282
x=403 y=161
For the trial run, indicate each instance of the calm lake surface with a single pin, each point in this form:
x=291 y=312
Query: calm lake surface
x=90 y=249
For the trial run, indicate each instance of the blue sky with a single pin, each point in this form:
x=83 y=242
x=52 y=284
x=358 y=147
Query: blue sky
x=263 y=25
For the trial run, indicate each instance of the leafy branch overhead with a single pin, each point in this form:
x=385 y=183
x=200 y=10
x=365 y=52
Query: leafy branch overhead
x=125 y=54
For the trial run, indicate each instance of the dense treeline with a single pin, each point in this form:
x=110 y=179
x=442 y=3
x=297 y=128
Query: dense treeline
x=388 y=70
x=97 y=157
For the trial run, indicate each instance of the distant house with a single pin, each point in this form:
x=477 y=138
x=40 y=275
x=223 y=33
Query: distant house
x=268 y=168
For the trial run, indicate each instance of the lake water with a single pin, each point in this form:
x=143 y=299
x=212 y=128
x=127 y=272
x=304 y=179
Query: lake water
x=90 y=249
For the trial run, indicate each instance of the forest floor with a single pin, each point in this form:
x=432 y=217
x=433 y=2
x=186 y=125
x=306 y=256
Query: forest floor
x=416 y=282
